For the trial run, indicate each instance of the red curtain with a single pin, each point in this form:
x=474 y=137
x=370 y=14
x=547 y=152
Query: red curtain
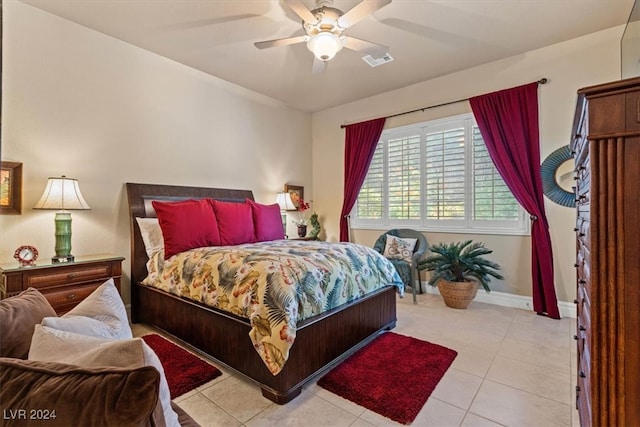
x=508 y=121
x=361 y=140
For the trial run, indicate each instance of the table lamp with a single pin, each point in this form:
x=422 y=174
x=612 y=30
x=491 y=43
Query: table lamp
x=286 y=204
x=64 y=194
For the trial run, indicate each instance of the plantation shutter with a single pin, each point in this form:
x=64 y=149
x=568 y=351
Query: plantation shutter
x=404 y=178
x=492 y=198
x=370 y=203
x=445 y=174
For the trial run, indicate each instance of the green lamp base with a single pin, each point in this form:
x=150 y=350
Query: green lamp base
x=63 y=238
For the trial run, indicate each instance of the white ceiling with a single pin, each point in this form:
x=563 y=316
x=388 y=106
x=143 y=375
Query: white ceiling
x=427 y=38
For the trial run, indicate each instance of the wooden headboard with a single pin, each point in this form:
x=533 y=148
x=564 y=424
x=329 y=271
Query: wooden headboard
x=140 y=198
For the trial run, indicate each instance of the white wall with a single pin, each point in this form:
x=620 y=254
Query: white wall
x=568 y=66
x=79 y=103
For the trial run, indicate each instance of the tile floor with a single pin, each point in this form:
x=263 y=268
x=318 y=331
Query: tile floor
x=513 y=368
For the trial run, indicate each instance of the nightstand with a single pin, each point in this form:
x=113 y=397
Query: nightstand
x=63 y=284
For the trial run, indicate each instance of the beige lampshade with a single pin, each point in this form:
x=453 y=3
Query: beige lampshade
x=62 y=193
x=285 y=202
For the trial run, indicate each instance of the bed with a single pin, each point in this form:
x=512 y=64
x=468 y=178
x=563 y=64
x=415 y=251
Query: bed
x=321 y=341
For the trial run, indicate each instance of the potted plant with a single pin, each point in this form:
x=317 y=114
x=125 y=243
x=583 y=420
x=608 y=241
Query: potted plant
x=457 y=269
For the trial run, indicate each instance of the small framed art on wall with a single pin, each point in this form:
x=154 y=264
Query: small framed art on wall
x=10 y=188
x=296 y=192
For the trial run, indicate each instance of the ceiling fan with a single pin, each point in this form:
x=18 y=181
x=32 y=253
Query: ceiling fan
x=325 y=26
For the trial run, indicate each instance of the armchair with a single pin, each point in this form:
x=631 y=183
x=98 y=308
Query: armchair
x=408 y=271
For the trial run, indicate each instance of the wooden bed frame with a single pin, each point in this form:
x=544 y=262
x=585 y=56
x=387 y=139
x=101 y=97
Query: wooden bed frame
x=321 y=342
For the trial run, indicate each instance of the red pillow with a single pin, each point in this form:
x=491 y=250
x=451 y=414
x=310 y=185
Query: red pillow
x=186 y=225
x=267 y=221
x=235 y=222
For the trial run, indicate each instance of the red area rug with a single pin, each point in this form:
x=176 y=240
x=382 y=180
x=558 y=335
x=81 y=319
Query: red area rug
x=394 y=375
x=183 y=370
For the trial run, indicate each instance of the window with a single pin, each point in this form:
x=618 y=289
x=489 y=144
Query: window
x=437 y=176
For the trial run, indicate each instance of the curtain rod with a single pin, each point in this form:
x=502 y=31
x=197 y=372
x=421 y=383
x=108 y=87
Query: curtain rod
x=541 y=81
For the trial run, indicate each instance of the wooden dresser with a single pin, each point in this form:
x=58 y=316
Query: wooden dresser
x=606 y=147
x=64 y=284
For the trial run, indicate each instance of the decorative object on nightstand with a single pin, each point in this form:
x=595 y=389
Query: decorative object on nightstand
x=302 y=220
x=26 y=255
x=315 y=226
x=64 y=285
x=62 y=194
x=286 y=204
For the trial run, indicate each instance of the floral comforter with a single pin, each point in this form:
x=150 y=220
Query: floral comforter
x=274 y=284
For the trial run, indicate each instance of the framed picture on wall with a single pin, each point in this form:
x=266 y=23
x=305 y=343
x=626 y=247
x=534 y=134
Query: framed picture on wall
x=10 y=188
x=296 y=192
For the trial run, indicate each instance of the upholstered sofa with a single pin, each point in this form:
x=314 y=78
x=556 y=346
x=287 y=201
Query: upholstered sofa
x=83 y=368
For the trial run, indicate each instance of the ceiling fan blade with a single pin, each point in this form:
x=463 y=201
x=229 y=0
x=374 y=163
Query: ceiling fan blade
x=360 y=11
x=373 y=49
x=318 y=66
x=301 y=10
x=280 y=42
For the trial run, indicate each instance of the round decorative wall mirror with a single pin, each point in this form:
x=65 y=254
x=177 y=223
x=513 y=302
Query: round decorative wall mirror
x=555 y=173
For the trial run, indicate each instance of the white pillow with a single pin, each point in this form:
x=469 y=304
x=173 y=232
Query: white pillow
x=399 y=248
x=102 y=314
x=51 y=345
x=151 y=235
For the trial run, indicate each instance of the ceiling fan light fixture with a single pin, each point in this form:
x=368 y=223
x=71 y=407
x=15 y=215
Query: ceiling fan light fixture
x=325 y=45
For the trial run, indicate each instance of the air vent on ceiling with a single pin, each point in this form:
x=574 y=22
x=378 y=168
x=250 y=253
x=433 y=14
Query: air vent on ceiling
x=374 y=62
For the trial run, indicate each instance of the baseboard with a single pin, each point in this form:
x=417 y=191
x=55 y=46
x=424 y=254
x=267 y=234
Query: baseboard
x=567 y=309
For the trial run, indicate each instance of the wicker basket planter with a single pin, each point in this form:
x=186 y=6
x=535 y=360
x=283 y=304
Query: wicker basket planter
x=457 y=294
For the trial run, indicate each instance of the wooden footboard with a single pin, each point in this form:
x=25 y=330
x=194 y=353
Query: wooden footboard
x=321 y=342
